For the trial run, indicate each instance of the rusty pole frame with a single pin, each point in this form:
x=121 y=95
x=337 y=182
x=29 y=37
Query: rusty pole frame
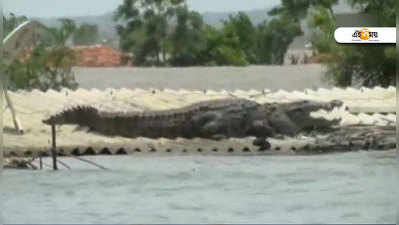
x=54 y=147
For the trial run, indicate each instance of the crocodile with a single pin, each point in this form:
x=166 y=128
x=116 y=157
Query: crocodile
x=214 y=119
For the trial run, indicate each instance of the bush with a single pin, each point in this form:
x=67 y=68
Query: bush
x=355 y=65
x=369 y=66
x=43 y=69
x=230 y=56
x=46 y=66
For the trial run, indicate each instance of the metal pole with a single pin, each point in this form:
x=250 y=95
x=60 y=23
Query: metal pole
x=17 y=40
x=15 y=120
x=54 y=147
x=40 y=161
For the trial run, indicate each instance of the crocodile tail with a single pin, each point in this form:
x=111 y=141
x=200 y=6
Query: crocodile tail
x=75 y=115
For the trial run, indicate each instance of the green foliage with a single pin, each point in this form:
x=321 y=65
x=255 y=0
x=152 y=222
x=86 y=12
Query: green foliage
x=150 y=29
x=45 y=69
x=60 y=36
x=226 y=55
x=152 y=18
x=263 y=44
x=187 y=40
x=48 y=65
x=298 y=9
x=11 y=22
x=86 y=34
x=323 y=24
x=221 y=49
x=366 y=65
x=383 y=10
x=242 y=33
x=275 y=38
x=240 y=43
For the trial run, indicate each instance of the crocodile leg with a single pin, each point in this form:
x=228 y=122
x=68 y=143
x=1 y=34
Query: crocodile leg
x=261 y=129
x=262 y=143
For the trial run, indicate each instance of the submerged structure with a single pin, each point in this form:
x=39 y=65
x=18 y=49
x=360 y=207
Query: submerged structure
x=124 y=121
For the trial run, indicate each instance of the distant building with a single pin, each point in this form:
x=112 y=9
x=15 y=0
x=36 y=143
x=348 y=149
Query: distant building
x=299 y=51
x=300 y=48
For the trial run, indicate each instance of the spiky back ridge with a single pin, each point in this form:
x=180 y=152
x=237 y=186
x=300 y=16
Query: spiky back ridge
x=78 y=113
x=72 y=115
x=193 y=108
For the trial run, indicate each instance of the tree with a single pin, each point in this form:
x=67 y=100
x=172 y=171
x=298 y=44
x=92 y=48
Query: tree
x=323 y=26
x=274 y=38
x=12 y=21
x=151 y=19
x=240 y=43
x=60 y=36
x=47 y=66
x=383 y=10
x=221 y=50
x=347 y=65
x=44 y=69
x=86 y=34
x=298 y=9
x=186 y=40
x=240 y=26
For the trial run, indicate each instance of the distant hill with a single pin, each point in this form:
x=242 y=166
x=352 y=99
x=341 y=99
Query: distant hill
x=215 y=18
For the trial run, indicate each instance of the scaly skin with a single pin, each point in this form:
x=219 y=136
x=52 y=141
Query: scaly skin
x=216 y=119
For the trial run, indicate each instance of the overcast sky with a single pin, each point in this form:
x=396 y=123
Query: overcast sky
x=66 y=8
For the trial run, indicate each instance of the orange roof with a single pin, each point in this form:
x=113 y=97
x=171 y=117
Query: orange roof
x=92 y=56
x=98 y=56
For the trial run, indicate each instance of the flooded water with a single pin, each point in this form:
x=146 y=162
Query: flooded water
x=340 y=188
x=289 y=78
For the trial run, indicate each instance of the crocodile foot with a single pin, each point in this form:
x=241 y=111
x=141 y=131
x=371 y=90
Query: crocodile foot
x=262 y=143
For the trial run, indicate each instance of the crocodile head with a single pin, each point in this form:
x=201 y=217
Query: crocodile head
x=300 y=114
x=306 y=107
x=293 y=118
x=79 y=115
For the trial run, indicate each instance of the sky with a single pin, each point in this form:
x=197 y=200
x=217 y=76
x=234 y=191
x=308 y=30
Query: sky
x=68 y=8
